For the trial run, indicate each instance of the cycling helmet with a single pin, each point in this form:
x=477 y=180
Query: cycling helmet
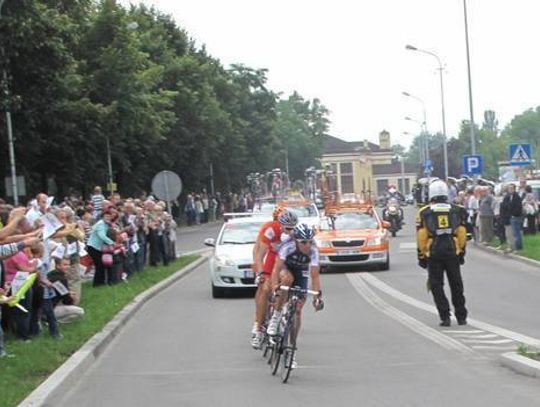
x=438 y=188
x=303 y=232
x=287 y=218
x=278 y=210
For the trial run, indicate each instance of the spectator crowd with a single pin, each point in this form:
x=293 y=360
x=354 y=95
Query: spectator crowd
x=505 y=212
x=100 y=240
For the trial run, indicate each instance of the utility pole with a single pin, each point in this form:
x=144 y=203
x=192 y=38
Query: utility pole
x=9 y=127
x=471 y=129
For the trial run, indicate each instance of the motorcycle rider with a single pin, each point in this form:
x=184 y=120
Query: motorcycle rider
x=441 y=239
x=393 y=209
x=393 y=193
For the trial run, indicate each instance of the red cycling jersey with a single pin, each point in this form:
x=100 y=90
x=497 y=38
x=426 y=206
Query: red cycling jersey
x=270 y=235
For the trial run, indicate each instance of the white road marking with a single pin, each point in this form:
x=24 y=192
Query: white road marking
x=469 y=336
x=450 y=331
x=493 y=342
x=407 y=245
x=506 y=333
x=418 y=327
x=494 y=348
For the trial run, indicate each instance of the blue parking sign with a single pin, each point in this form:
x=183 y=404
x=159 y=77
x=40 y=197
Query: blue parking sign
x=473 y=164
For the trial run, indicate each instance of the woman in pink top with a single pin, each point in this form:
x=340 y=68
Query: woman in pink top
x=20 y=262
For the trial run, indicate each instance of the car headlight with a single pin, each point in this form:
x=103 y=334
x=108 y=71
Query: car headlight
x=322 y=243
x=375 y=241
x=224 y=261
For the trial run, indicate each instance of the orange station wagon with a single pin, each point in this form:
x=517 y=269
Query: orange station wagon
x=353 y=235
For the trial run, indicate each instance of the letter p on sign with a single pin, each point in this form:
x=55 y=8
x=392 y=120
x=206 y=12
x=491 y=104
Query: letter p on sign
x=472 y=164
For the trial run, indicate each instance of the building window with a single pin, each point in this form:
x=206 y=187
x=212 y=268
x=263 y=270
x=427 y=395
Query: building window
x=347 y=179
x=382 y=184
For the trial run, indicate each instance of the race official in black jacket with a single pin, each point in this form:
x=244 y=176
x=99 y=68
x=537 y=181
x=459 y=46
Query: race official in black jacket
x=441 y=239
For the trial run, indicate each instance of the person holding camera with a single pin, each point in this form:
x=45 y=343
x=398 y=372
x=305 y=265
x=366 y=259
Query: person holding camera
x=441 y=239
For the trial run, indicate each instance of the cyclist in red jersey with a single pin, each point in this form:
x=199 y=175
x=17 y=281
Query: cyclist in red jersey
x=264 y=256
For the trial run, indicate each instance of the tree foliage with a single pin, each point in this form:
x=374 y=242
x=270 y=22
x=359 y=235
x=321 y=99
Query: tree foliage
x=491 y=143
x=84 y=72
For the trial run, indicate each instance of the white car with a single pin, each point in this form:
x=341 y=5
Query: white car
x=231 y=265
x=306 y=212
x=264 y=209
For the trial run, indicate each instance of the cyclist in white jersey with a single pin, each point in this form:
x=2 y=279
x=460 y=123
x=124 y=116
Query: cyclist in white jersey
x=297 y=261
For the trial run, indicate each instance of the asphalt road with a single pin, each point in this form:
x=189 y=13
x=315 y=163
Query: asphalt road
x=377 y=343
x=191 y=238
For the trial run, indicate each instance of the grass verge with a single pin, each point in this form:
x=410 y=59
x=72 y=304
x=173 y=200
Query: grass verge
x=526 y=351
x=35 y=361
x=531 y=246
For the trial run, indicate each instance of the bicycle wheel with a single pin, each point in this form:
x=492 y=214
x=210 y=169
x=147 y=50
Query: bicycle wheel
x=269 y=352
x=288 y=352
x=265 y=345
x=287 y=361
x=276 y=355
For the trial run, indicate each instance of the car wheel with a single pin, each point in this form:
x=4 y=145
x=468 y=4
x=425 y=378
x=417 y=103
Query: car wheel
x=385 y=266
x=217 y=292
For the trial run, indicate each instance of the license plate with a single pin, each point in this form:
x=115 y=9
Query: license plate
x=349 y=251
x=249 y=274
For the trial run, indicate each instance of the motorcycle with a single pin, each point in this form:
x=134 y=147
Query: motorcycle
x=393 y=214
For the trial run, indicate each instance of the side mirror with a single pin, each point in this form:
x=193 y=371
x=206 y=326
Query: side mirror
x=210 y=242
x=386 y=224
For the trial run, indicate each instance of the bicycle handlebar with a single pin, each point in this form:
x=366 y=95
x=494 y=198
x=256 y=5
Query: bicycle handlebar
x=298 y=290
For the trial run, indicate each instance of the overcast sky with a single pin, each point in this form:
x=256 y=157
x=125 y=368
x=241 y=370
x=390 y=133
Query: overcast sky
x=351 y=55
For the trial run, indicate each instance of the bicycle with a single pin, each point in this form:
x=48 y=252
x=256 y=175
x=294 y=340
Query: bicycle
x=266 y=344
x=284 y=346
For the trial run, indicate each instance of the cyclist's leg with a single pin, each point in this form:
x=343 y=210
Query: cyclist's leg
x=286 y=278
x=301 y=282
x=262 y=300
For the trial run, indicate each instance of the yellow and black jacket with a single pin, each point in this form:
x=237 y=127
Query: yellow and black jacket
x=440 y=231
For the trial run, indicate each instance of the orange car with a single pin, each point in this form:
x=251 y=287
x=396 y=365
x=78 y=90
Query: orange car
x=353 y=236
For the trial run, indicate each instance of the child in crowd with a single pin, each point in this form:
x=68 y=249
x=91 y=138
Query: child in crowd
x=63 y=301
x=45 y=292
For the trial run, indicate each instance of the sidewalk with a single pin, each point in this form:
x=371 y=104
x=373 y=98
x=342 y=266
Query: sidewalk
x=513 y=360
x=513 y=256
x=196 y=228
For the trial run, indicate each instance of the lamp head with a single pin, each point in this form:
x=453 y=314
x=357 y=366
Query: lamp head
x=411 y=48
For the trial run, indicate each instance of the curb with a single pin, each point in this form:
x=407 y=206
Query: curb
x=526 y=260
x=520 y=364
x=63 y=378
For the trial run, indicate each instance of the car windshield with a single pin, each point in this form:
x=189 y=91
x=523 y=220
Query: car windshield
x=264 y=209
x=240 y=233
x=303 y=211
x=350 y=221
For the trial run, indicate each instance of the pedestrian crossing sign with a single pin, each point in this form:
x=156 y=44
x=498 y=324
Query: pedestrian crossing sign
x=520 y=154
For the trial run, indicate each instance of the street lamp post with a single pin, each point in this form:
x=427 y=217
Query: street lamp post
x=11 y=147
x=426 y=157
x=109 y=164
x=402 y=160
x=420 y=150
x=425 y=131
x=445 y=153
x=471 y=129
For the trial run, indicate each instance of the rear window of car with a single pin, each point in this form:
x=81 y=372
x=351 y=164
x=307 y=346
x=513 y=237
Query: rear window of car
x=303 y=211
x=350 y=221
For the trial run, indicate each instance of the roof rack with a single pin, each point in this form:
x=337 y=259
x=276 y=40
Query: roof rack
x=233 y=215
x=335 y=203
